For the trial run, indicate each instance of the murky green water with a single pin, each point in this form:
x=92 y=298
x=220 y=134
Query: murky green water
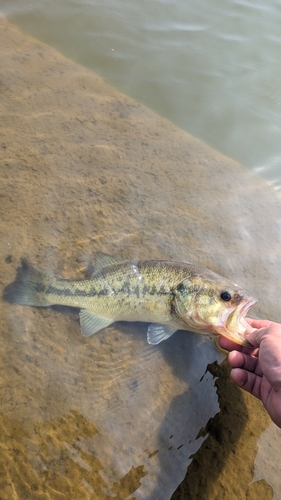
x=84 y=169
x=213 y=68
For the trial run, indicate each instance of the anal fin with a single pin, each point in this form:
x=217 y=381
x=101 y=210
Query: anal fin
x=91 y=324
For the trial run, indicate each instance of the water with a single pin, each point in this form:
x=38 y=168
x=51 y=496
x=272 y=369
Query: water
x=85 y=168
x=210 y=67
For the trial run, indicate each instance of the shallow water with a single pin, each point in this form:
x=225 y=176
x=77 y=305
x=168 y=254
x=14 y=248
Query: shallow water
x=85 y=168
x=213 y=68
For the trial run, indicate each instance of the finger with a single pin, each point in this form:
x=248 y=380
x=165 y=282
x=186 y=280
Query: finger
x=255 y=337
x=248 y=381
x=228 y=345
x=258 y=323
x=240 y=360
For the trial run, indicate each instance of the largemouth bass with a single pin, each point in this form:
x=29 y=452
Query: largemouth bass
x=169 y=295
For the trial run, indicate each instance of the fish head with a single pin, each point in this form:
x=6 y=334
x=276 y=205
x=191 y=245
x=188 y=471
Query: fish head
x=211 y=304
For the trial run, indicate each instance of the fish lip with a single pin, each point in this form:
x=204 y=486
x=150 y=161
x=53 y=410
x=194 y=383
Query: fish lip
x=241 y=310
x=245 y=307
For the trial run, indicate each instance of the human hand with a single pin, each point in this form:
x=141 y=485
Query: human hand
x=258 y=370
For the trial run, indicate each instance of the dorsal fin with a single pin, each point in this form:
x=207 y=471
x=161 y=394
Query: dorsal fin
x=104 y=260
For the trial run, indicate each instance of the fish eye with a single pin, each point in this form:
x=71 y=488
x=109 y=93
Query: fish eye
x=226 y=296
x=181 y=288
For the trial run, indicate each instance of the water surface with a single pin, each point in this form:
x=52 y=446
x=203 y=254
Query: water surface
x=213 y=68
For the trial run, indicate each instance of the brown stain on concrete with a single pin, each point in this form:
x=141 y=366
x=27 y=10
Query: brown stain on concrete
x=66 y=470
x=223 y=466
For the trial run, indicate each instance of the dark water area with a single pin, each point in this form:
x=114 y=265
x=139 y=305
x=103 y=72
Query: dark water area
x=85 y=168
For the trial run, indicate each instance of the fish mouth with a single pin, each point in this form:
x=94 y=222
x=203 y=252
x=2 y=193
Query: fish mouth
x=235 y=323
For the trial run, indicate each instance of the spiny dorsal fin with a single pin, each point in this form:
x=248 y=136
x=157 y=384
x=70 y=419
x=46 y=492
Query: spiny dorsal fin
x=156 y=333
x=104 y=260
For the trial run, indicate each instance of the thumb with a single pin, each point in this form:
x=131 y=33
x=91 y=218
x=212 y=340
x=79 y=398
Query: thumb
x=254 y=336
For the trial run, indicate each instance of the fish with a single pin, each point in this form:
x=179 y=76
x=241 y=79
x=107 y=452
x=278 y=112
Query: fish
x=170 y=295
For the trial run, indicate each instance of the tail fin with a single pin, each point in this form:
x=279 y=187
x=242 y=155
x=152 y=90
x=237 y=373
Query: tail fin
x=29 y=287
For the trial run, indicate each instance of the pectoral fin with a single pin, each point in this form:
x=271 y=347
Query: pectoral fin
x=91 y=324
x=156 y=333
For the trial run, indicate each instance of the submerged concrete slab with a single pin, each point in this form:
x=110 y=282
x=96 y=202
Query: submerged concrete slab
x=86 y=168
